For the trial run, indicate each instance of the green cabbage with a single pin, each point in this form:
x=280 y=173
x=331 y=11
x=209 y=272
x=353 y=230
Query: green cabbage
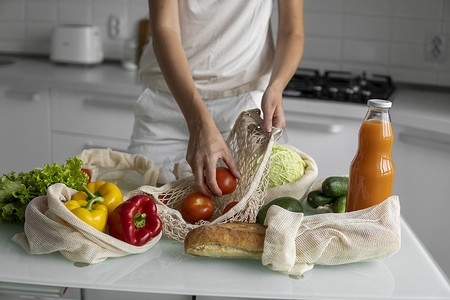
x=286 y=166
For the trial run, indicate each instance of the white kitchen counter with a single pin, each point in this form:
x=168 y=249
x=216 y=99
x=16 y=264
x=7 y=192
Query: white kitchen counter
x=166 y=269
x=39 y=72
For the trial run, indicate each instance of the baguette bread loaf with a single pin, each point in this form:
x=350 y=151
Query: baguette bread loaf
x=228 y=240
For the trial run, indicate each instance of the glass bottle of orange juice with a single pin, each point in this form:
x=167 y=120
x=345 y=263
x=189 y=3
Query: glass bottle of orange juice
x=372 y=171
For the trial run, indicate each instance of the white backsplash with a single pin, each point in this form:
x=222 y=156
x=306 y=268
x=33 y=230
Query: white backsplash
x=376 y=36
x=26 y=25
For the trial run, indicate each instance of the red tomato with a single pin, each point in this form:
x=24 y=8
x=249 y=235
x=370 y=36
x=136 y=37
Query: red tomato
x=163 y=199
x=88 y=173
x=229 y=206
x=226 y=181
x=196 y=207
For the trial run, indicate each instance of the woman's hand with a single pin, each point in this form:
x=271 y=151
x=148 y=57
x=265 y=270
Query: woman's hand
x=272 y=108
x=288 y=53
x=206 y=146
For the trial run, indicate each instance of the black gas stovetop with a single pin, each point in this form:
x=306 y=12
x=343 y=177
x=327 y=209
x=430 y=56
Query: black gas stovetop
x=339 y=86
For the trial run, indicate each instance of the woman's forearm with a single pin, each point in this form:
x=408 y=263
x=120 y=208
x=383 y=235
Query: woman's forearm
x=289 y=44
x=166 y=42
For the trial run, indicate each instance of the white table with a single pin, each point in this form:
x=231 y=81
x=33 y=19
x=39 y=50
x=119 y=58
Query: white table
x=409 y=274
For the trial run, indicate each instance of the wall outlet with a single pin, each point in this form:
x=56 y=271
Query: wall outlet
x=117 y=26
x=435 y=46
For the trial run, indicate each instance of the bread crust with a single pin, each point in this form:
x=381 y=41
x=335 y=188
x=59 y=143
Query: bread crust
x=228 y=240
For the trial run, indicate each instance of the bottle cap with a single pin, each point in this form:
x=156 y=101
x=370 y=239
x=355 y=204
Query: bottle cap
x=379 y=103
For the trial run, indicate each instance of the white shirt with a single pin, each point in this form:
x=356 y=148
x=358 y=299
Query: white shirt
x=228 y=44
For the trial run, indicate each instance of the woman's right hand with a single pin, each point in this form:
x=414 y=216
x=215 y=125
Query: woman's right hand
x=206 y=146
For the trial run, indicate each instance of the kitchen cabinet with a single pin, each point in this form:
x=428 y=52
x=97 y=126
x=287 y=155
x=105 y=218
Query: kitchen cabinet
x=82 y=120
x=62 y=109
x=421 y=153
x=17 y=291
x=94 y=294
x=422 y=163
x=24 y=127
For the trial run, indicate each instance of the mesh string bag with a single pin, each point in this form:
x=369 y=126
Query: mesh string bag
x=250 y=146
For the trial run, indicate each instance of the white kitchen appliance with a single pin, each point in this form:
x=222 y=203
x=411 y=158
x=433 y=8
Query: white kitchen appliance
x=76 y=44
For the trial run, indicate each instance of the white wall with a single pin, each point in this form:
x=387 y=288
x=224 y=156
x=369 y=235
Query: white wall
x=377 y=36
x=26 y=25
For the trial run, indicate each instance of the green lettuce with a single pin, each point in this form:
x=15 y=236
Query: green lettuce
x=16 y=191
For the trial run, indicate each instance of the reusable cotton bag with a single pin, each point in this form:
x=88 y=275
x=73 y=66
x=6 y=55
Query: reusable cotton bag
x=127 y=171
x=294 y=243
x=51 y=227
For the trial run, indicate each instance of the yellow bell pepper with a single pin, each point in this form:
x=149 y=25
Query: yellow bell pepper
x=94 y=214
x=111 y=194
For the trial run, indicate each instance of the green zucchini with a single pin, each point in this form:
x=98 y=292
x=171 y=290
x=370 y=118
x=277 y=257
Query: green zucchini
x=338 y=205
x=317 y=198
x=335 y=186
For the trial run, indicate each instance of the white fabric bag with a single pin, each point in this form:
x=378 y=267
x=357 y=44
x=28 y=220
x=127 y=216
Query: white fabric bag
x=294 y=242
x=51 y=227
x=127 y=171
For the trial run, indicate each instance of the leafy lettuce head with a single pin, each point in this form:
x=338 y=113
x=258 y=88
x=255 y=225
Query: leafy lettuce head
x=286 y=166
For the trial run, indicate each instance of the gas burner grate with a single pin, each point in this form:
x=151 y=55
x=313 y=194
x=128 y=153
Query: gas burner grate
x=339 y=86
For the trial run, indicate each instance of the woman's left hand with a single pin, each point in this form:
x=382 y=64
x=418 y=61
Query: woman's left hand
x=272 y=108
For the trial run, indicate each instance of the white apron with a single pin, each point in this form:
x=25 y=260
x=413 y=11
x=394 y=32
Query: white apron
x=228 y=44
x=230 y=50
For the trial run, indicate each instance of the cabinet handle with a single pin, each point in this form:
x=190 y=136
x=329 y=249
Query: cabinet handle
x=33 y=290
x=90 y=145
x=316 y=126
x=112 y=102
x=430 y=140
x=22 y=95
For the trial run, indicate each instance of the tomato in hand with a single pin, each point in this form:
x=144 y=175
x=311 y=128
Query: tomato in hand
x=196 y=207
x=229 y=206
x=225 y=180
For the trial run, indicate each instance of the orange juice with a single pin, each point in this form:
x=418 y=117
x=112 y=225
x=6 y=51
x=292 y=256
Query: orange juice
x=372 y=171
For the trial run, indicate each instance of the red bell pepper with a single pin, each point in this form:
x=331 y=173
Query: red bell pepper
x=135 y=221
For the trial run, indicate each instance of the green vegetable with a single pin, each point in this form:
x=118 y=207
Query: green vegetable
x=335 y=186
x=288 y=203
x=317 y=198
x=17 y=191
x=286 y=166
x=338 y=205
